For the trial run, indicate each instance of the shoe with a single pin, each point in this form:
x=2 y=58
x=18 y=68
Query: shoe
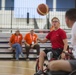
x=27 y=59
x=22 y=54
x=39 y=73
x=17 y=59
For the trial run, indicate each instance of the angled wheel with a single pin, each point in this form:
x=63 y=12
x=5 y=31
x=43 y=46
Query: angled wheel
x=37 y=66
x=73 y=72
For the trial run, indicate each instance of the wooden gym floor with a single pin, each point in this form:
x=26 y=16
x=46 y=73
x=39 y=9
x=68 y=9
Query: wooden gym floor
x=17 y=67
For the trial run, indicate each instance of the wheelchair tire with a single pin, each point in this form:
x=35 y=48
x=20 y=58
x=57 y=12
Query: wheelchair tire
x=58 y=73
x=73 y=72
x=37 y=65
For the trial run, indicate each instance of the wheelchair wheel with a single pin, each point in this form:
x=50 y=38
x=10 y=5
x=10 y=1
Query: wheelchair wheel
x=37 y=66
x=57 y=73
x=73 y=73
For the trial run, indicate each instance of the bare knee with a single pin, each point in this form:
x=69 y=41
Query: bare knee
x=59 y=65
x=52 y=66
x=42 y=54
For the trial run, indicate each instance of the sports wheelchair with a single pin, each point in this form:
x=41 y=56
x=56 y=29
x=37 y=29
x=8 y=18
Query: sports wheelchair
x=47 y=72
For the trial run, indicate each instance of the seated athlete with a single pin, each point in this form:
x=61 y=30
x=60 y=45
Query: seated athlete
x=58 y=39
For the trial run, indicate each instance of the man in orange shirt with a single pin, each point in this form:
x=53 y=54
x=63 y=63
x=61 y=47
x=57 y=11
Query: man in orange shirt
x=16 y=42
x=31 y=42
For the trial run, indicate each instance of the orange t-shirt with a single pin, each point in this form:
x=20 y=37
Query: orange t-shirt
x=29 y=38
x=16 y=39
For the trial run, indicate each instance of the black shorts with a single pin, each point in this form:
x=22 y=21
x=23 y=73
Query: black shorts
x=73 y=64
x=56 y=52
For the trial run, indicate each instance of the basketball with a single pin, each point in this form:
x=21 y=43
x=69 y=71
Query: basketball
x=42 y=9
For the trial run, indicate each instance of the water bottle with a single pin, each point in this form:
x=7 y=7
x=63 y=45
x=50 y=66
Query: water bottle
x=49 y=55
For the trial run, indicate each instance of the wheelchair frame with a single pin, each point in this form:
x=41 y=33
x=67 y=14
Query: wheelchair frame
x=47 y=72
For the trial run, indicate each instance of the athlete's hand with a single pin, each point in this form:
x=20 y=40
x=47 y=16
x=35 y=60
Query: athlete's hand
x=65 y=51
x=63 y=56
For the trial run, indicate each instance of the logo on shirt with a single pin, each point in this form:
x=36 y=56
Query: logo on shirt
x=57 y=35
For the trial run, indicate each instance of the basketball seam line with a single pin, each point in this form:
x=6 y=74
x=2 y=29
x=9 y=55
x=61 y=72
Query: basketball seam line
x=47 y=9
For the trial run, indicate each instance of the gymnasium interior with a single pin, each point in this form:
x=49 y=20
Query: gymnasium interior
x=22 y=15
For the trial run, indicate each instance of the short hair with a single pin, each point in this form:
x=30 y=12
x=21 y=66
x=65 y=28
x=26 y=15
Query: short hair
x=17 y=31
x=31 y=29
x=55 y=18
x=71 y=14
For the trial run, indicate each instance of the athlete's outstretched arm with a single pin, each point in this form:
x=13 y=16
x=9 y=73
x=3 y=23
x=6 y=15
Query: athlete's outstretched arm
x=43 y=41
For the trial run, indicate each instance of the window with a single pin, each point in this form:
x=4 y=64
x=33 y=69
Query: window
x=50 y=4
x=63 y=5
x=9 y=4
x=22 y=7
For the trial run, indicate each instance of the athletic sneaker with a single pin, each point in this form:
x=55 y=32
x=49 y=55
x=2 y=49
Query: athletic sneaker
x=17 y=59
x=39 y=73
x=22 y=54
x=27 y=59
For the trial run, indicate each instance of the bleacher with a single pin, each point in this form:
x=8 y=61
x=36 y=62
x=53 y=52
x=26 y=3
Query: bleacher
x=7 y=53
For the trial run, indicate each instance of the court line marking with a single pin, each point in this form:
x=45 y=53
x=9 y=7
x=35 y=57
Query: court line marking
x=17 y=67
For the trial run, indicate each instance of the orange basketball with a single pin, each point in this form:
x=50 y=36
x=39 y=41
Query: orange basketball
x=42 y=9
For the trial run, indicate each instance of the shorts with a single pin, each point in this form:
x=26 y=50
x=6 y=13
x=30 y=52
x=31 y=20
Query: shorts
x=73 y=64
x=56 y=52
